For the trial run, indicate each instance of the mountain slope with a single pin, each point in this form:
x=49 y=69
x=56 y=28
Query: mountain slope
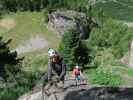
x=117 y=9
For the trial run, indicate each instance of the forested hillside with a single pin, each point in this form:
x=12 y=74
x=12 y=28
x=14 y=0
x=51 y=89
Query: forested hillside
x=96 y=35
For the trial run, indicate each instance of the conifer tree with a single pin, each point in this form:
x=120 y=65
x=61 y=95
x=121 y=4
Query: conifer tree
x=73 y=50
x=7 y=58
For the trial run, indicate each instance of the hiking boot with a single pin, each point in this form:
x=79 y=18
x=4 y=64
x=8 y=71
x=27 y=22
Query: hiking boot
x=60 y=85
x=46 y=92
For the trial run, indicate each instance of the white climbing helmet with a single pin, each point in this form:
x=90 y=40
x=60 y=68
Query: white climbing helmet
x=77 y=66
x=51 y=52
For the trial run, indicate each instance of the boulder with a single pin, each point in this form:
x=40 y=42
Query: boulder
x=82 y=92
x=61 y=21
x=90 y=93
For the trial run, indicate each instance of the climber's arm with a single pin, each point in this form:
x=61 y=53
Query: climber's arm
x=49 y=70
x=63 y=71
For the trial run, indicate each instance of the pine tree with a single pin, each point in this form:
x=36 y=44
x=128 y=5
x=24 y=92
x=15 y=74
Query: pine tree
x=66 y=47
x=1 y=8
x=7 y=58
x=73 y=50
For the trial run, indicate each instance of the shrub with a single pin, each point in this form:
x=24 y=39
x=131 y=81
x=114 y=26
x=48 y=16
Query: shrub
x=25 y=81
x=73 y=49
x=112 y=35
x=104 y=78
x=13 y=93
x=130 y=72
x=68 y=45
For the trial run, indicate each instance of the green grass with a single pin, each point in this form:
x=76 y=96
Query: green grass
x=2 y=30
x=128 y=2
x=110 y=71
x=130 y=72
x=105 y=78
x=110 y=75
x=121 y=10
x=28 y=24
x=35 y=64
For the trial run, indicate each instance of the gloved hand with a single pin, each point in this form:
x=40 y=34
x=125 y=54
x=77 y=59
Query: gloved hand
x=49 y=79
x=58 y=80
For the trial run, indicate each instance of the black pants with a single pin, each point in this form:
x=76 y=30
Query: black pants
x=45 y=77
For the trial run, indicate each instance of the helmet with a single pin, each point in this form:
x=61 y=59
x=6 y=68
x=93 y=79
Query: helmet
x=51 y=52
x=76 y=66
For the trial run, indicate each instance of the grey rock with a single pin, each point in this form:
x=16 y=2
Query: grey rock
x=82 y=92
x=61 y=21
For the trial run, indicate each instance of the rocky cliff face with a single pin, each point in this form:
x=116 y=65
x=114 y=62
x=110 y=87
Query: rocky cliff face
x=56 y=93
x=82 y=92
x=61 y=21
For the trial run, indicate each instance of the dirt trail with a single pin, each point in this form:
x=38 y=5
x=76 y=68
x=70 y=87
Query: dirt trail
x=7 y=23
x=34 y=43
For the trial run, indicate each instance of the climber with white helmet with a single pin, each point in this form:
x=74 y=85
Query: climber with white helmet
x=55 y=64
x=76 y=73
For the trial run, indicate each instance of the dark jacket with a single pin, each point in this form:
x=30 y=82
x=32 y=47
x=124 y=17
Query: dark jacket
x=58 y=67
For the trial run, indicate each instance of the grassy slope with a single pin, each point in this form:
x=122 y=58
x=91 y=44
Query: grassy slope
x=29 y=24
x=121 y=10
x=112 y=65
